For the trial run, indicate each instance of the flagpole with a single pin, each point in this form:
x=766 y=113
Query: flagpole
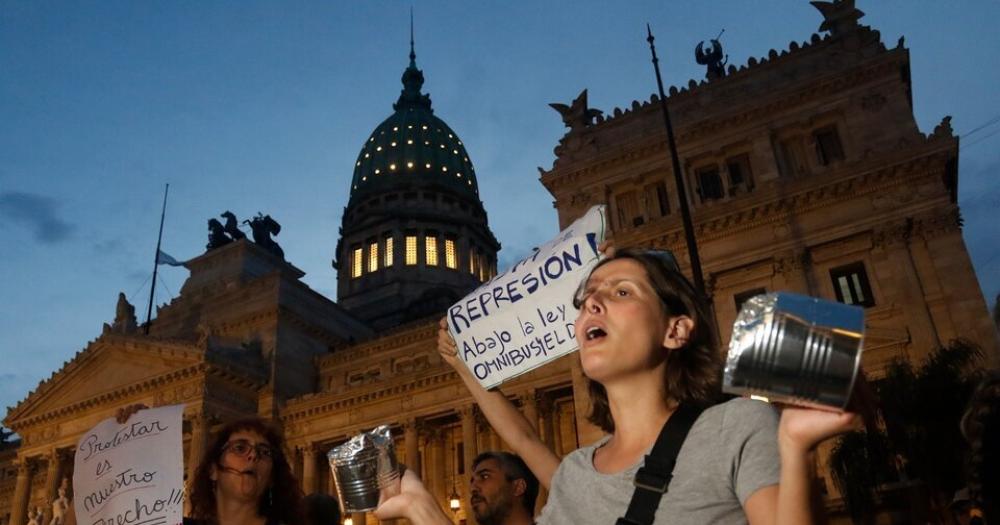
x=692 y=243
x=156 y=259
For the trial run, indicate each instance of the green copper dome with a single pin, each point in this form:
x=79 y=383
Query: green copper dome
x=412 y=148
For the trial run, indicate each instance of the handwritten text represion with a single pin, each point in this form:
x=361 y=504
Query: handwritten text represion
x=512 y=290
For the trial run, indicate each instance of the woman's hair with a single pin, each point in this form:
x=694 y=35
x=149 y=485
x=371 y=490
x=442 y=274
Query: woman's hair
x=693 y=370
x=280 y=503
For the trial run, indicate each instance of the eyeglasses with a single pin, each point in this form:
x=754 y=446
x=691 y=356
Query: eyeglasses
x=242 y=448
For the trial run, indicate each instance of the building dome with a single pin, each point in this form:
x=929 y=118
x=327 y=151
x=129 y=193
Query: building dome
x=414 y=235
x=413 y=147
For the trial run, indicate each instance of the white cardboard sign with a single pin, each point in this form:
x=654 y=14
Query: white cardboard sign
x=523 y=318
x=132 y=473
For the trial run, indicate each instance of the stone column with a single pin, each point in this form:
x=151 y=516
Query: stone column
x=894 y=242
x=436 y=464
x=309 y=469
x=468 y=416
x=53 y=474
x=22 y=491
x=411 y=444
x=795 y=268
x=199 y=433
x=529 y=406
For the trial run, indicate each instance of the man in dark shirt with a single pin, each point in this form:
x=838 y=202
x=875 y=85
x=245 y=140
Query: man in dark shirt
x=502 y=490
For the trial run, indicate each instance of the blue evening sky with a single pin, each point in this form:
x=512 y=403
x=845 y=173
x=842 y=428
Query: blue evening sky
x=262 y=106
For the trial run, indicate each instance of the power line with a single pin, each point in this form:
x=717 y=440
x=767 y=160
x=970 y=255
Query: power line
x=988 y=123
x=141 y=286
x=980 y=139
x=164 y=284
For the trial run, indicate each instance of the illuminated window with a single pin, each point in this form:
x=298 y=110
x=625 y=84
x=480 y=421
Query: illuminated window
x=411 y=250
x=850 y=284
x=450 y=257
x=373 y=256
x=431 y=245
x=472 y=261
x=388 y=252
x=356 y=262
x=482 y=267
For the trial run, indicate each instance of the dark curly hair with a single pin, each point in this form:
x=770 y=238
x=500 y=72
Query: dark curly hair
x=693 y=371
x=281 y=503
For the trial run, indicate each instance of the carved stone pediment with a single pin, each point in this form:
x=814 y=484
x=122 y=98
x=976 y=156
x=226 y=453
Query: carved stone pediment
x=108 y=365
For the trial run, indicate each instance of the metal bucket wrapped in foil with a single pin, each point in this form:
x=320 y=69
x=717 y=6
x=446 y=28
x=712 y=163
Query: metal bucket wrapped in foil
x=364 y=467
x=795 y=349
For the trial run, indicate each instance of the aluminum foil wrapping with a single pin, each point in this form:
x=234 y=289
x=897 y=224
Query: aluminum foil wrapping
x=795 y=349
x=363 y=468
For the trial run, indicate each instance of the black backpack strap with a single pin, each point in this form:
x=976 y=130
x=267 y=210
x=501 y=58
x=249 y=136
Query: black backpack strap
x=653 y=478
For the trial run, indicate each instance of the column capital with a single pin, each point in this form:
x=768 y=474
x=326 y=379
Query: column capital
x=467 y=411
x=26 y=465
x=308 y=449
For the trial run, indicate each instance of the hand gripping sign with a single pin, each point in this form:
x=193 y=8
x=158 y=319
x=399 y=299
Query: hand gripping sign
x=131 y=473
x=523 y=318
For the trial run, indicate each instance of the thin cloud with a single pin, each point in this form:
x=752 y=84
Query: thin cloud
x=38 y=213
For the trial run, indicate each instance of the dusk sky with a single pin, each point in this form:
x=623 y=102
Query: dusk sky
x=263 y=106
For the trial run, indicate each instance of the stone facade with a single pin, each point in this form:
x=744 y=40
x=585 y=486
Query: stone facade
x=805 y=171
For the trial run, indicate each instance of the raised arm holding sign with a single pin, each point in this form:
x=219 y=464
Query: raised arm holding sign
x=523 y=318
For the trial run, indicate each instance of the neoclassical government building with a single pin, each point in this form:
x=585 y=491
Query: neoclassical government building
x=804 y=170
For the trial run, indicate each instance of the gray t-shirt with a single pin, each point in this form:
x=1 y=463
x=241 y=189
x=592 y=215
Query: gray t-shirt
x=730 y=452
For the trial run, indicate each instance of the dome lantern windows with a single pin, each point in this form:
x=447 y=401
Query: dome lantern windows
x=356 y=262
x=388 y=251
x=450 y=257
x=372 y=256
x=431 y=249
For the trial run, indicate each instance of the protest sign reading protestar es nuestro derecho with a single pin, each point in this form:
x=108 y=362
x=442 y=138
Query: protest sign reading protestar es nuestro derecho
x=131 y=473
x=523 y=318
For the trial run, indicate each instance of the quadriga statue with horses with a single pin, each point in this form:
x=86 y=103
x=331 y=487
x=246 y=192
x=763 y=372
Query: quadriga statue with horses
x=262 y=227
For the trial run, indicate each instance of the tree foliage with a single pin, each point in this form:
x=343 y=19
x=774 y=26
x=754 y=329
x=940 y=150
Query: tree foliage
x=921 y=408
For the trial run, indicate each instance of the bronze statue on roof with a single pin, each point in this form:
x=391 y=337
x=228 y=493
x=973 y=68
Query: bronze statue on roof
x=577 y=115
x=713 y=59
x=263 y=227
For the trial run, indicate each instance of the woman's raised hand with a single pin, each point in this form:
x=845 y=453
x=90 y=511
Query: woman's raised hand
x=447 y=347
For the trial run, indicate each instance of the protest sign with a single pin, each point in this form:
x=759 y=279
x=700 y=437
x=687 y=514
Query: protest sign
x=523 y=318
x=132 y=473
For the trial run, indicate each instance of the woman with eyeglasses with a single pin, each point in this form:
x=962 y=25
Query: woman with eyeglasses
x=245 y=479
x=649 y=351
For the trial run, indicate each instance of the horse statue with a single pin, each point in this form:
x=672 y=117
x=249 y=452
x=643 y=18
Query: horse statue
x=232 y=226
x=712 y=59
x=217 y=237
x=263 y=227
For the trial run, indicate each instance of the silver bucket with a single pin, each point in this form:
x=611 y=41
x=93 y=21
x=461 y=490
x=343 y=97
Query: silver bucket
x=795 y=349
x=363 y=468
